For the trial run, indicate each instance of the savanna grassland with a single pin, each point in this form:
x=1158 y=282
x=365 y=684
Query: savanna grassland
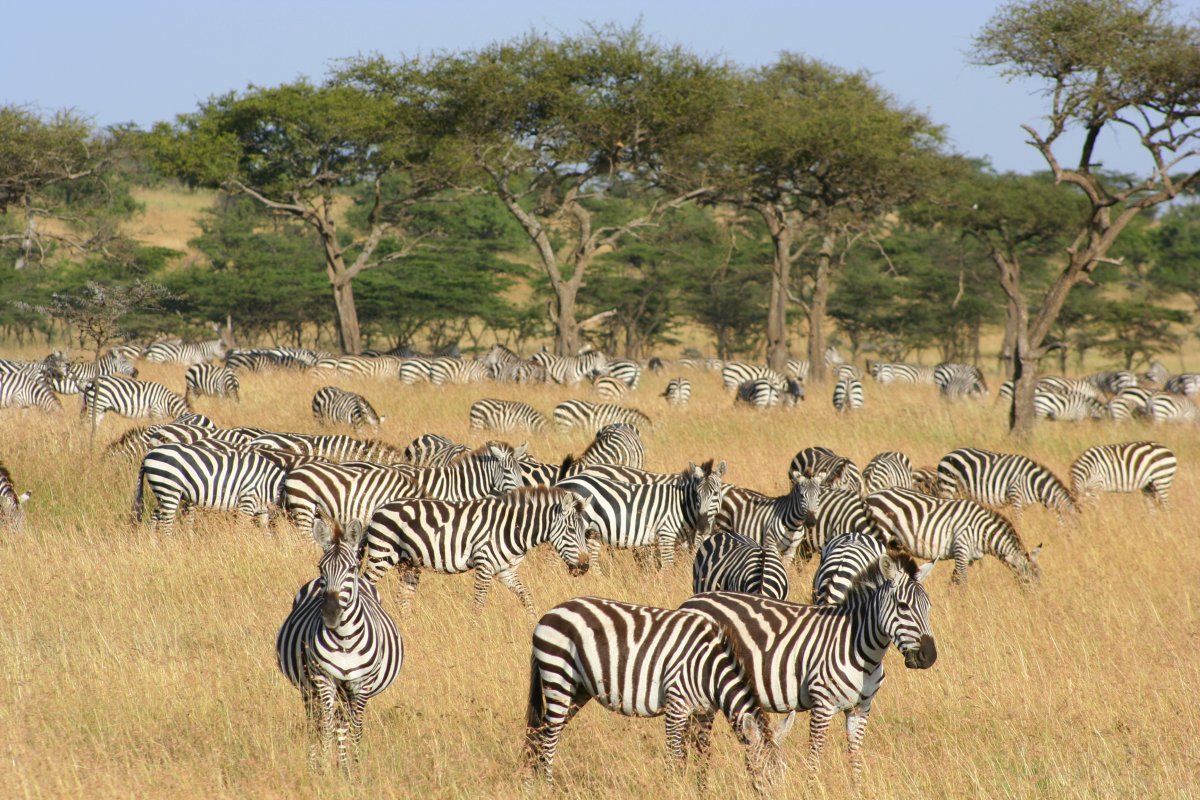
x=137 y=665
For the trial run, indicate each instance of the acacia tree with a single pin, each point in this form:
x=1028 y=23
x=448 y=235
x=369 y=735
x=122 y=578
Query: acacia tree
x=296 y=149
x=1121 y=65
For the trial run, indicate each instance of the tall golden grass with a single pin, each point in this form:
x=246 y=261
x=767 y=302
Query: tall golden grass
x=137 y=665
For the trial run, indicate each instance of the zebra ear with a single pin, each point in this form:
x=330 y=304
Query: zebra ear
x=888 y=567
x=322 y=532
x=1033 y=554
x=695 y=471
x=784 y=727
x=924 y=570
x=24 y=498
x=522 y=450
x=495 y=450
x=720 y=470
x=354 y=533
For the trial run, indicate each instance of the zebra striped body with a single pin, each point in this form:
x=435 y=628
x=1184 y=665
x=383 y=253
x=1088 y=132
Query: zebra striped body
x=625 y=370
x=898 y=372
x=1129 y=403
x=888 y=470
x=335 y=447
x=1146 y=467
x=369 y=366
x=848 y=394
x=213 y=381
x=638 y=661
x=730 y=562
x=270 y=359
x=433 y=450
x=844 y=559
x=130 y=398
x=1002 y=479
x=490 y=536
x=337 y=645
x=607 y=387
x=27 y=390
x=1112 y=383
x=759 y=393
x=617 y=445
x=934 y=528
x=570 y=370
x=736 y=373
x=457 y=371
x=207 y=474
x=1157 y=375
x=838 y=472
x=678 y=392
x=845 y=371
x=1186 y=383
x=77 y=375
x=505 y=415
x=185 y=352
x=925 y=481
x=1163 y=407
x=333 y=405
x=1058 y=385
x=594 y=416
x=414 y=370
x=1072 y=407
x=12 y=513
x=959 y=380
x=797 y=368
x=771 y=521
x=840 y=512
x=825 y=659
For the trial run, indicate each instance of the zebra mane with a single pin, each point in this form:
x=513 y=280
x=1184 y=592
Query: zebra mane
x=6 y=481
x=872 y=577
x=482 y=451
x=527 y=495
x=567 y=463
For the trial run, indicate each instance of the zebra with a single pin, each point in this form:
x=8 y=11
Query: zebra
x=77 y=375
x=490 y=536
x=593 y=416
x=925 y=480
x=736 y=373
x=414 y=370
x=899 y=372
x=335 y=447
x=456 y=370
x=1163 y=407
x=505 y=415
x=268 y=360
x=607 y=387
x=207 y=474
x=49 y=369
x=1148 y=467
x=841 y=472
x=797 y=368
x=848 y=394
x=433 y=450
x=842 y=371
x=656 y=365
x=731 y=562
x=617 y=445
x=759 y=393
x=337 y=645
x=1071 y=407
x=130 y=398
x=1129 y=403
x=887 y=470
x=12 y=512
x=27 y=390
x=366 y=366
x=628 y=515
x=333 y=405
x=935 y=528
x=772 y=521
x=206 y=379
x=1056 y=384
x=840 y=511
x=825 y=659
x=678 y=392
x=627 y=371
x=1112 y=383
x=641 y=661
x=844 y=559
x=959 y=379
x=1157 y=375
x=570 y=370
x=1186 y=383
x=185 y=352
x=1002 y=479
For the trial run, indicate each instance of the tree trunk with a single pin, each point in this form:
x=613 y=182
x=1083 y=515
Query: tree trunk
x=1021 y=416
x=1009 y=343
x=349 y=334
x=816 y=313
x=781 y=267
x=566 y=339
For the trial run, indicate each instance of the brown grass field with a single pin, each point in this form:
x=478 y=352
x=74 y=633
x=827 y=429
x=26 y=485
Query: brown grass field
x=137 y=665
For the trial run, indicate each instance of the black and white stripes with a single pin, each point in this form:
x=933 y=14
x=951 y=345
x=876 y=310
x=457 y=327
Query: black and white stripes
x=333 y=405
x=1146 y=467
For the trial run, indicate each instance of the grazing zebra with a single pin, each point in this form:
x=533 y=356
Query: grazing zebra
x=1002 y=479
x=433 y=450
x=627 y=371
x=959 y=379
x=490 y=536
x=1129 y=403
x=336 y=447
x=730 y=562
x=27 y=390
x=736 y=373
x=844 y=559
x=840 y=512
x=415 y=370
x=333 y=405
x=678 y=392
x=1112 y=383
x=825 y=659
x=848 y=394
x=1186 y=383
x=1157 y=375
x=628 y=515
x=797 y=368
x=887 y=470
x=270 y=359
x=618 y=444
x=185 y=352
x=366 y=366
x=77 y=375
x=11 y=512
x=933 y=528
x=207 y=474
x=885 y=372
x=607 y=387
x=925 y=480
x=206 y=379
x=130 y=398
x=1163 y=407
x=840 y=472
x=1146 y=467
x=1070 y=407
x=456 y=370
x=593 y=416
x=570 y=370
x=1056 y=384
x=640 y=661
x=337 y=645
x=505 y=415
x=772 y=521
x=759 y=393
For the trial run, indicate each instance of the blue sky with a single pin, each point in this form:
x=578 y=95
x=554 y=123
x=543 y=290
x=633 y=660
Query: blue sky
x=122 y=61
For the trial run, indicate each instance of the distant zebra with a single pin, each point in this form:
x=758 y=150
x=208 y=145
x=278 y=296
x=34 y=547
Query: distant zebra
x=933 y=528
x=885 y=372
x=1070 y=407
x=640 y=661
x=337 y=645
x=1002 y=479
x=1163 y=407
x=206 y=379
x=840 y=472
x=333 y=405
x=185 y=352
x=844 y=560
x=12 y=513
x=844 y=371
x=956 y=381
x=505 y=416
x=77 y=375
x=270 y=359
x=655 y=365
x=130 y=398
x=1186 y=383
x=607 y=387
x=1112 y=383
x=415 y=370
x=625 y=515
x=26 y=390
x=1146 y=467
x=627 y=371
x=887 y=470
x=759 y=393
x=678 y=392
x=730 y=562
x=771 y=521
x=332 y=447
x=848 y=394
x=207 y=474
x=457 y=371
x=570 y=370
x=797 y=368
x=593 y=416
x=1158 y=374
x=433 y=450
x=826 y=659
x=1129 y=403
x=369 y=366
x=490 y=536
x=736 y=373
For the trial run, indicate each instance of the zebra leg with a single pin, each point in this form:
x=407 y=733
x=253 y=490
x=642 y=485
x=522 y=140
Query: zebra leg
x=666 y=549
x=856 y=729
x=327 y=698
x=699 y=738
x=678 y=710
x=410 y=579
x=357 y=707
x=509 y=577
x=962 y=559
x=818 y=727
x=341 y=727
x=164 y=514
x=313 y=716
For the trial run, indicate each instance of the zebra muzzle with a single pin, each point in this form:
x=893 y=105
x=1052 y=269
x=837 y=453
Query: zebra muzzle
x=922 y=656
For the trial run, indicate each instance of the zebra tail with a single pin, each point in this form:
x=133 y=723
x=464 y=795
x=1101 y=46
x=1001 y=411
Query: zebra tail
x=138 y=497
x=535 y=716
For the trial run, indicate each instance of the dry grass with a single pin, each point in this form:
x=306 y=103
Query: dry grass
x=144 y=666
x=170 y=216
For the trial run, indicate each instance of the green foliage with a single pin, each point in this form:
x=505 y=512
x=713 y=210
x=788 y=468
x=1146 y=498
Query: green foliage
x=1177 y=252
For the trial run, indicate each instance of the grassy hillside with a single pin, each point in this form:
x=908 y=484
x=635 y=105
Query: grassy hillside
x=139 y=665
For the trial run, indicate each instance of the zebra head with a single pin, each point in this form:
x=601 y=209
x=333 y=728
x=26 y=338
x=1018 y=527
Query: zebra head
x=568 y=531
x=904 y=610
x=806 y=492
x=339 y=567
x=505 y=475
x=1029 y=573
x=702 y=495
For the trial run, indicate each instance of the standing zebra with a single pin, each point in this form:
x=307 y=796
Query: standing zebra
x=825 y=659
x=12 y=513
x=1068 y=407
x=333 y=447
x=848 y=394
x=772 y=521
x=185 y=352
x=337 y=645
x=593 y=416
x=885 y=373
x=130 y=398
x=206 y=379
x=959 y=380
x=1002 y=479
x=678 y=392
x=607 y=387
x=887 y=470
x=1163 y=407
x=1146 y=467
x=1186 y=383
x=735 y=373
x=77 y=375
x=456 y=370
x=759 y=393
x=840 y=472
x=490 y=536
x=433 y=450
x=570 y=370
x=844 y=559
x=333 y=405
x=1129 y=403
x=625 y=370
x=505 y=415
x=730 y=562
x=933 y=528
x=26 y=390
x=840 y=512
x=640 y=661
